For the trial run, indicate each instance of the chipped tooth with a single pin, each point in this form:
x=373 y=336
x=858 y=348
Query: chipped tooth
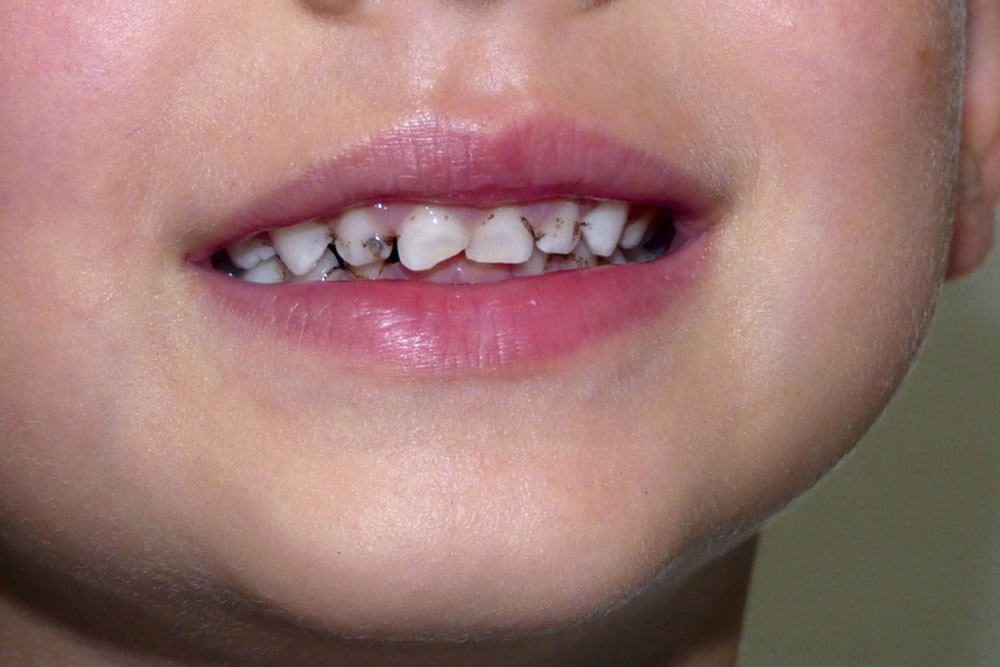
x=267 y=272
x=634 y=233
x=602 y=226
x=503 y=237
x=301 y=245
x=359 y=239
x=559 y=232
x=327 y=263
x=250 y=252
x=534 y=266
x=430 y=235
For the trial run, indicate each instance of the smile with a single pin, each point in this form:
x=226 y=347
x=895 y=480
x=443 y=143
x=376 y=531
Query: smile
x=443 y=248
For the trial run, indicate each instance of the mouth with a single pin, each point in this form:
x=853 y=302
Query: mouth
x=445 y=247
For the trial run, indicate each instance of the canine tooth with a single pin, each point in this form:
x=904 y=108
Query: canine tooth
x=602 y=227
x=359 y=239
x=634 y=233
x=430 y=235
x=267 y=272
x=301 y=245
x=559 y=233
x=503 y=237
x=250 y=252
x=327 y=263
x=534 y=266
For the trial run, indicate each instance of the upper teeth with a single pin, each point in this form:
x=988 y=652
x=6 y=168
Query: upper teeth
x=578 y=234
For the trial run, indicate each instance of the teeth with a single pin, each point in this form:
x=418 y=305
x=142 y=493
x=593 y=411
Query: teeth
x=634 y=233
x=429 y=236
x=535 y=266
x=359 y=239
x=267 y=272
x=326 y=264
x=602 y=227
x=559 y=233
x=301 y=246
x=250 y=252
x=371 y=271
x=502 y=238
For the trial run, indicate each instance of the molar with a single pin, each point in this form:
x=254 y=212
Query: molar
x=250 y=252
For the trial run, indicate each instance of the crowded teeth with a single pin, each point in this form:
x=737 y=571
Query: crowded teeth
x=559 y=232
x=359 y=239
x=250 y=252
x=430 y=235
x=503 y=237
x=602 y=227
x=301 y=246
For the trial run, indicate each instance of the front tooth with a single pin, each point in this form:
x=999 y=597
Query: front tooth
x=359 y=239
x=602 y=227
x=635 y=232
x=250 y=252
x=559 y=233
x=266 y=273
x=501 y=238
x=327 y=263
x=301 y=245
x=430 y=235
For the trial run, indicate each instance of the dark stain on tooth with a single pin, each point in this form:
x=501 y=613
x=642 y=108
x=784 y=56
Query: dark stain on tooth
x=527 y=226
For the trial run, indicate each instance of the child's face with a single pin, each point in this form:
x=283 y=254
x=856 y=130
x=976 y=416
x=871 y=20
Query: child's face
x=417 y=477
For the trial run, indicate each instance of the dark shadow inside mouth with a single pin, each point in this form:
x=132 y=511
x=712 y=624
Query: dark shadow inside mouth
x=661 y=238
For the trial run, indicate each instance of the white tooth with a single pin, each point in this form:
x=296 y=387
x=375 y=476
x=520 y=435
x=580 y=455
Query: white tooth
x=559 y=232
x=326 y=264
x=602 y=227
x=267 y=272
x=534 y=266
x=503 y=237
x=250 y=252
x=301 y=246
x=367 y=272
x=634 y=233
x=359 y=239
x=430 y=235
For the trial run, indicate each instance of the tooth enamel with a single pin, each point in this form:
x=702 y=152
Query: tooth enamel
x=535 y=266
x=267 y=272
x=582 y=257
x=372 y=271
x=327 y=263
x=250 y=252
x=501 y=238
x=634 y=233
x=602 y=227
x=359 y=239
x=430 y=235
x=559 y=233
x=301 y=246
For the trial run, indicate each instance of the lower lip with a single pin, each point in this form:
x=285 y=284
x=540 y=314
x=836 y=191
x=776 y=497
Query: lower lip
x=424 y=328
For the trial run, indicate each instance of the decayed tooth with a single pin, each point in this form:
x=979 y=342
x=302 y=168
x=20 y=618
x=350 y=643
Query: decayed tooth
x=250 y=252
x=534 y=266
x=559 y=233
x=582 y=257
x=430 y=235
x=327 y=263
x=602 y=227
x=301 y=245
x=267 y=272
x=503 y=237
x=371 y=271
x=359 y=239
x=634 y=233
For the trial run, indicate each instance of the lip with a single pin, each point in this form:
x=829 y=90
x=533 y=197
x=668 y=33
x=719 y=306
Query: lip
x=431 y=329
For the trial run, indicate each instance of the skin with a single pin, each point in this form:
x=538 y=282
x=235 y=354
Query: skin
x=174 y=487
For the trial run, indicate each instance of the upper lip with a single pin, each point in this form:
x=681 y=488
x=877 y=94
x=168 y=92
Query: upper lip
x=428 y=158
